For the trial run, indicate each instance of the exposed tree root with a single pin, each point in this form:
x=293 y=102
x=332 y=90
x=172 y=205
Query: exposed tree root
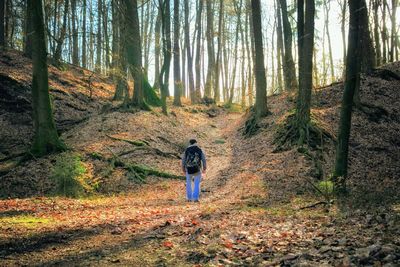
x=251 y=126
x=144 y=145
x=290 y=134
x=135 y=172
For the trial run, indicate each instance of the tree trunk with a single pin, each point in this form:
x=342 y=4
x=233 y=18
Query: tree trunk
x=28 y=31
x=167 y=47
x=238 y=10
x=46 y=138
x=133 y=50
x=261 y=82
x=210 y=49
x=157 y=50
x=106 y=36
x=84 y=49
x=99 y=41
x=63 y=31
x=343 y=30
x=384 y=34
x=75 y=53
x=376 y=4
x=368 y=57
x=305 y=26
x=393 y=42
x=2 y=23
x=279 y=45
x=352 y=81
x=198 y=56
x=327 y=11
x=290 y=69
x=189 y=54
x=217 y=62
x=177 y=69
x=249 y=55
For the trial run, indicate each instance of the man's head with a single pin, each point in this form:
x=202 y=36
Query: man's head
x=192 y=141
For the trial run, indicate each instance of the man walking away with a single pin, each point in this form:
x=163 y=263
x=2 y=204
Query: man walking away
x=193 y=164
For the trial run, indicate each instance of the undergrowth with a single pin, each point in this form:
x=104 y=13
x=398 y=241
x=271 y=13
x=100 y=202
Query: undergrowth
x=70 y=176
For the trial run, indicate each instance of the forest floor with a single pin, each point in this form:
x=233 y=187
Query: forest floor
x=257 y=206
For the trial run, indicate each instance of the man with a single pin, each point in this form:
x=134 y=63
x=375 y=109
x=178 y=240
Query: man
x=193 y=164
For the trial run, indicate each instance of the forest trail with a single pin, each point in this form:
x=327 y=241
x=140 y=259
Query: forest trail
x=248 y=215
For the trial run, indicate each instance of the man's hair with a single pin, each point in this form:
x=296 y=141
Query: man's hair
x=192 y=141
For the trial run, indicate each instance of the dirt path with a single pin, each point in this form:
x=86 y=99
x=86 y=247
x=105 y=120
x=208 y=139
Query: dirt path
x=231 y=226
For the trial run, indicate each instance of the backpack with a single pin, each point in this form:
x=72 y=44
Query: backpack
x=193 y=157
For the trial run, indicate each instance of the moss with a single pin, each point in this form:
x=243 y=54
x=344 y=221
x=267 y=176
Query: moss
x=25 y=221
x=220 y=141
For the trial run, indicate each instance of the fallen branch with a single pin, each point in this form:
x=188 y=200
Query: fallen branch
x=314 y=205
x=132 y=142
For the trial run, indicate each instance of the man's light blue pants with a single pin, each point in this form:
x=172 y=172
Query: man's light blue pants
x=193 y=194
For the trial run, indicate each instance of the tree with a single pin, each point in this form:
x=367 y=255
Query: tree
x=177 y=70
x=327 y=11
x=210 y=49
x=75 y=49
x=353 y=67
x=28 y=29
x=261 y=82
x=2 y=23
x=46 y=138
x=289 y=71
x=189 y=54
x=218 y=58
x=133 y=51
x=166 y=37
x=63 y=31
x=305 y=29
x=99 y=39
x=279 y=44
x=393 y=39
x=197 y=90
x=84 y=56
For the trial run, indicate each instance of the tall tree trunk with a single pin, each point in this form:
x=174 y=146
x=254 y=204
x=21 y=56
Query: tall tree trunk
x=238 y=9
x=167 y=47
x=376 y=4
x=249 y=55
x=84 y=48
x=261 y=82
x=384 y=34
x=210 y=49
x=327 y=11
x=393 y=42
x=279 y=43
x=177 y=69
x=63 y=31
x=46 y=138
x=75 y=53
x=198 y=56
x=28 y=31
x=99 y=39
x=106 y=38
x=290 y=69
x=343 y=30
x=133 y=50
x=2 y=23
x=189 y=54
x=305 y=28
x=157 y=50
x=217 y=61
x=351 y=82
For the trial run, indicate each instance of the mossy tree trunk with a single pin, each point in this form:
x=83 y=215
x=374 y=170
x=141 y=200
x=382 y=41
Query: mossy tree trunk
x=353 y=67
x=305 y=28
x=261 y=81
x=46 y=139
x=133 y=50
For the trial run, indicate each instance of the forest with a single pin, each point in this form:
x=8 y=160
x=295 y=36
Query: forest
x=199 y=133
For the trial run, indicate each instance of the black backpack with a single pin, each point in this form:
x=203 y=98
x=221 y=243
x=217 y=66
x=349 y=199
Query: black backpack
x=193 y=155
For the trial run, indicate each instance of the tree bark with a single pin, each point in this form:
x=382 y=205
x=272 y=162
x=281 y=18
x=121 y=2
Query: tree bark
x=177 y=69
x=217 y=61
x=167 y=47
x=2 y=23
x=279 y=46
x=133 y=50
x=197 y=93
x=84 y=49
x=376 y=4
x=157 y=50
x=189 y=55
x=45 y=138
x=261 y=82
x=352 y=81
x=305 y=26
x=75 y=51
x=28 y=31
x=210 y=49
x=290 y=69
x=63 y=31
x=99 y=39
x=393 y=42
x=327 y=11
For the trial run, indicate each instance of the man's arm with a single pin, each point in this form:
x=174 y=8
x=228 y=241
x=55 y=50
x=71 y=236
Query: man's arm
x=183 y=162
x=204 y=162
